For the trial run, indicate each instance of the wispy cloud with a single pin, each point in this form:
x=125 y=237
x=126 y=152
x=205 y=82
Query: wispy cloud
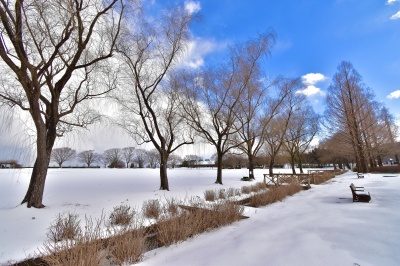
x=394 y=95
x=192 y=7
x=310 y=80
x=396 y=16
x=197 y=50
x=392 y=1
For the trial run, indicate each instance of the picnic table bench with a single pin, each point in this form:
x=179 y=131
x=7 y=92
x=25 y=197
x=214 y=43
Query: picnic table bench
x=360 y=175
x=278 y=179
x=357 y=196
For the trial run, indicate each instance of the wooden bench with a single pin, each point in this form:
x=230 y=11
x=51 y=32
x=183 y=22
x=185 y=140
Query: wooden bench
x=357 y=196
x=360 y=175
x=279 y=179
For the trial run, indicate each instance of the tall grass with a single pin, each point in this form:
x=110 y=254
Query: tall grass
x=274 y=194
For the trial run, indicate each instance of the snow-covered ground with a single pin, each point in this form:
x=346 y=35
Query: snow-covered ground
x=320 y=226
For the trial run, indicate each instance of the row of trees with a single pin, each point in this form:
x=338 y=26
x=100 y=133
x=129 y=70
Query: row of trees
x=360 y=128
x=128 y=157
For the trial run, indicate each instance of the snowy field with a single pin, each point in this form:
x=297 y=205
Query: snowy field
x=320 y=226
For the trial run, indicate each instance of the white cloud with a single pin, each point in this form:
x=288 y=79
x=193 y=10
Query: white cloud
x=396 y=16
x=192 y=7
x=313 y=78
x=196 y=51
x=392 y=1
x=310 y=80
x=311 y=90
x=394 y=95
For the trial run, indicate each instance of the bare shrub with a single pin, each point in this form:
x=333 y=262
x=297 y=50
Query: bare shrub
x=128 y=247
x=274 y=194
x=322 y=177
x=222 y=194
x=210 y=195
x=121 y=215
x=233 y=192
x=89 y=248
x=86 y=249
x=226 y=213
x=152 y=209
x=195 y=220
x=246 y=189
x=65 y=226
x=174 y=230
x=172 y=207
x=258 y=187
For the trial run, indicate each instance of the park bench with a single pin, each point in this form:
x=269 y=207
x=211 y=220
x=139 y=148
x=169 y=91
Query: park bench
x=279 y=179
x=357 y=196
x=360 y=175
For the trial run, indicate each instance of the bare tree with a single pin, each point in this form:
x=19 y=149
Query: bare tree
x=302 y=128
x=62 y=155
x=104 y=160
x=52 y=51
x=392 y=130
x=275 y=131
x=114 y=158
x=88 y=157
x=346 y=108
x=128 y=154
x=150 y=53
x=140 y=157
x=153 y=157
x=213 y=100
x=174 y=160
x=336 y=151
x=191 y=159
x=253 y=98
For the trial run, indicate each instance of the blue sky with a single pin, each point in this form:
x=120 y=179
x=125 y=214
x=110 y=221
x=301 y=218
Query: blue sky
x=313 y=37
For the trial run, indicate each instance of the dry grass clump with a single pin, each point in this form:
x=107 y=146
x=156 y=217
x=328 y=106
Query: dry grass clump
x=152 y=209
x=174 y=230
x=65 y=226
x=246 y=189
x=213 y=195
x=172 y=207
x=195 y=220
x=322 y=177
x=222 y=194
x=259 y=186
x=210 y=195
x=233 y=192
x=127 y=247
x=90 y=248
x=122 y=215
x=85 y=249
x=274 y=194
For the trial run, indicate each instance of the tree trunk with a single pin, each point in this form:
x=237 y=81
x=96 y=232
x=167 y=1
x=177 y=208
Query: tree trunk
x=292 y=161
x=397 y=158
x=379 y=158
x=271 y=166
x=163 y=170
x=219 y=168
x=300 y=163
x=34 y=195
x=251 y=166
